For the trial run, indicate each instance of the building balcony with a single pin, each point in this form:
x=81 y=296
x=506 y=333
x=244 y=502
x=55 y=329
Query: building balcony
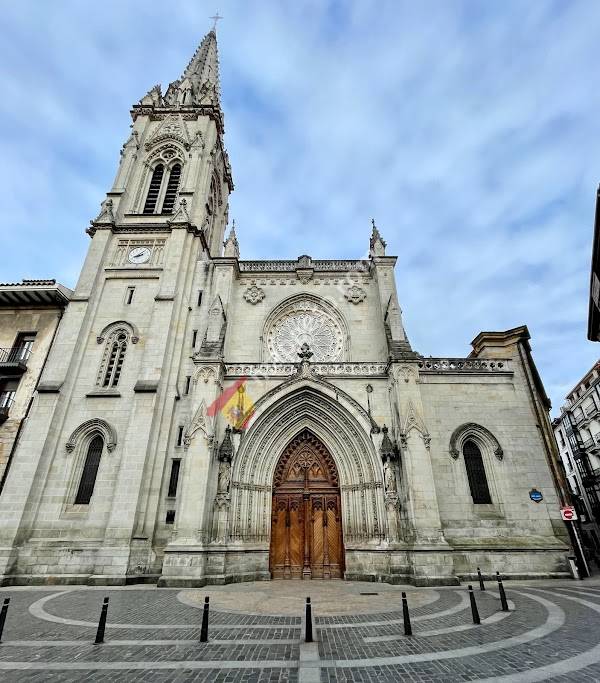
x=588 y=443
x=14 y=361
x=591 y=477
x=6 y=400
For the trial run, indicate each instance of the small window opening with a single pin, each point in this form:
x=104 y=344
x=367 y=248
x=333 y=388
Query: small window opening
x=188 y=380
x=180 y=436
x=170 y=518
x=200 y=298
x=174 y=478
x=129 y=295
x=194 y=337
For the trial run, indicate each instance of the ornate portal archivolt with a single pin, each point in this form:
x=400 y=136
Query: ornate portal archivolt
x=345 y=433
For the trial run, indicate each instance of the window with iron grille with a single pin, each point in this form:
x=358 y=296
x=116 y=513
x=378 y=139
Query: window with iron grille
x=478 y=484
x=90 y=471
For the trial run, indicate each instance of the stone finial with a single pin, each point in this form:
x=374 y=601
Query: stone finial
x=377 y=244
x=106 y=215
x=232 y=247
x=181 y=216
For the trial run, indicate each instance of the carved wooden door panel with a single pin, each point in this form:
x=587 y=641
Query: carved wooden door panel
x=306 y=531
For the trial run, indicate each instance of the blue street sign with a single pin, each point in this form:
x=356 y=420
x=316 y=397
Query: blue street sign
x=536 y=496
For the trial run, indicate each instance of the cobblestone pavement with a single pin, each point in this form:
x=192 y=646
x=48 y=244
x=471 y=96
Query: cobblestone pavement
x=552 y=632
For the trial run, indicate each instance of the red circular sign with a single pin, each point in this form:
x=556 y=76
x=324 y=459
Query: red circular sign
x=568 y=513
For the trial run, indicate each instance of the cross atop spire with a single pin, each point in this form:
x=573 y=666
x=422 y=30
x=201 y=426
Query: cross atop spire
x=216 y=18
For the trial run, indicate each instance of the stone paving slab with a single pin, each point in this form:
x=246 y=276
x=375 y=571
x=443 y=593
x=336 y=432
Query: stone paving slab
x=153 y=635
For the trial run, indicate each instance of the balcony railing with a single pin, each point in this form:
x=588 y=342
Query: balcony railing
x=578 y=419
x=591 y=476
x=15 y=359
x=7 y=398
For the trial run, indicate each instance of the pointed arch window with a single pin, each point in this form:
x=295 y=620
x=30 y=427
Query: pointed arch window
x=163 y=187
x=90 y=471
x=114 y=357
x=154 y=189
x=478 y=483
x=172 y=187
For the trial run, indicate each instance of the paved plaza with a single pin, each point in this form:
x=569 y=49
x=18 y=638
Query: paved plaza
x=552 y=632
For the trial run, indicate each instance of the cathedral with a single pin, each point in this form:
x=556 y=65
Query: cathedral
x=206 y=419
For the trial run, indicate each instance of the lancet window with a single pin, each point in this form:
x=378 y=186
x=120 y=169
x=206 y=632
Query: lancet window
x=114 y=357
x=480 y=491
x=162 y=190
x=90 y=471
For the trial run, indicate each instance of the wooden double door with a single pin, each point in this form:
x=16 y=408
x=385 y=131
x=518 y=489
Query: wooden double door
x=306 y=529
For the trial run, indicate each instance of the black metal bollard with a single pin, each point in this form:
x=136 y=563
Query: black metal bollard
x=481 y=584
x=3 y=616
x=406 y=616
x=309 y=634
x=102 y=623
x=204 y=629
x=503 y=600
x=474 y=610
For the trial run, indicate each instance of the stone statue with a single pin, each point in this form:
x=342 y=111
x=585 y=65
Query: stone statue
x=389 y=477
x=224 y=477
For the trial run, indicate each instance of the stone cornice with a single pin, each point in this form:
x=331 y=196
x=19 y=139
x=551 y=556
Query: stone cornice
x=258 y=370
x=317 y=265
x=463 y=366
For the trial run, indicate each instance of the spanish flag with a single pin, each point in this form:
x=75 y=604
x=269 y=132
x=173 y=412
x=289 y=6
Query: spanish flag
x=235 y=404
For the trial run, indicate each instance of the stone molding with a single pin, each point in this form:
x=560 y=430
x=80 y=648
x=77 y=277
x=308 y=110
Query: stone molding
x=260 y=370
x=464 y=365
x=94 y=426
x=483 y=437
x=278 y=419
x=316 y=265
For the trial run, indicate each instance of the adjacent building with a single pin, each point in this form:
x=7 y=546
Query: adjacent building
x=577 y=432
x=594 y=303
x=30 y=312
x=204 y=418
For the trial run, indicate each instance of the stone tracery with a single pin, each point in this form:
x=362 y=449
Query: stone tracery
x=305 y=320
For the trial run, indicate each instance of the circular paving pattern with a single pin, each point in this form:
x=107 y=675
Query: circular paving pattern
x=552 y=632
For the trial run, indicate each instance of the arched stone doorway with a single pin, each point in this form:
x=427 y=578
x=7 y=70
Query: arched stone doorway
x=306 y=527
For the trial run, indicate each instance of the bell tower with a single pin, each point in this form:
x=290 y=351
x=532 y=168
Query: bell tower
x=119 y=374
x=174 y=168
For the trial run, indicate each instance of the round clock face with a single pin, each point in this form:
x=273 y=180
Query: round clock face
x=139 y=255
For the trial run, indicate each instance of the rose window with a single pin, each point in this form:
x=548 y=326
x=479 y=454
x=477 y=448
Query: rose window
x=305 y=326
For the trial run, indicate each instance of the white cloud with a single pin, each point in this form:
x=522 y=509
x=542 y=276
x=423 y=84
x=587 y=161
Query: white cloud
x=469 y=130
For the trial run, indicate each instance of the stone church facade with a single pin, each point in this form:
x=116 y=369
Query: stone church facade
x=206 y=419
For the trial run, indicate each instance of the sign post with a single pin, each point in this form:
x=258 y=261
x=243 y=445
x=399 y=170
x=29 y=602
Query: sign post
x=568 y=514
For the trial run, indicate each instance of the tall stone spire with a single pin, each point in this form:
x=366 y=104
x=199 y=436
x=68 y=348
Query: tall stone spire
x=198 y=85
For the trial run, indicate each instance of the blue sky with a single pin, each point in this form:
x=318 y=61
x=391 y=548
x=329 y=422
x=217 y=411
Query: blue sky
x=469 y=130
